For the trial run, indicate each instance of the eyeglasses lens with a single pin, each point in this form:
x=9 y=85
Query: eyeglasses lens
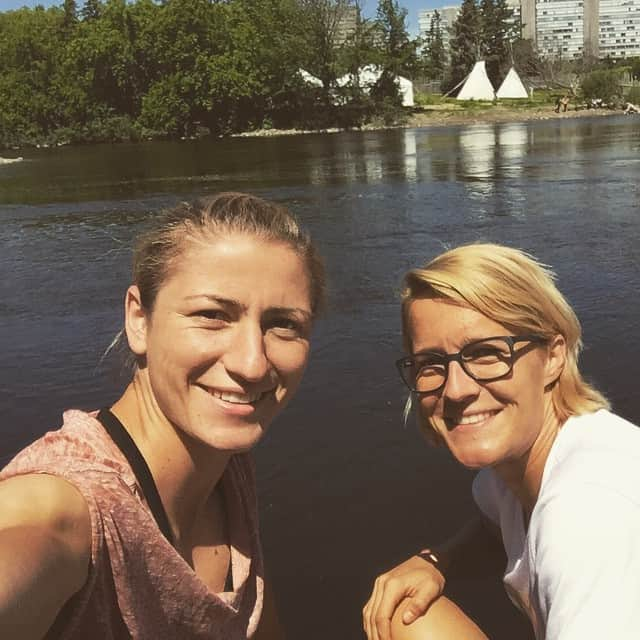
x=485 y=360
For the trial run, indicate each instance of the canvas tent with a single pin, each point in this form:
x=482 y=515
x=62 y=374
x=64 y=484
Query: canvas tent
x=370 y=74
x=477 y=86
x=512 y=86
x=309 y=78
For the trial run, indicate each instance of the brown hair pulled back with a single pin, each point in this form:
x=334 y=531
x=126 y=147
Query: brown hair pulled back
x=158 y=250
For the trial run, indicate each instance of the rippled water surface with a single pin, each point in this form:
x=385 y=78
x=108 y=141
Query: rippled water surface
x=345 y=490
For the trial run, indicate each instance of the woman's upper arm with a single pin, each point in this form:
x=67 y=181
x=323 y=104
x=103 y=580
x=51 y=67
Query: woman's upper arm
x=45 y=547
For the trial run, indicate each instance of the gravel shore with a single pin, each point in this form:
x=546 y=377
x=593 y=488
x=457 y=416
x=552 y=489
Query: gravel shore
x=443 y=117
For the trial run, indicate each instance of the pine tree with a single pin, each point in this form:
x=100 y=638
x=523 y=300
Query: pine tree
x=435 y=55
x=91 y=10
x=70 y=17
x=397 y=52
x=498 y=31
x=465 y=44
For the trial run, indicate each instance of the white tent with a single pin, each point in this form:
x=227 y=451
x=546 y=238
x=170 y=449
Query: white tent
x=309 y=78
x=512 y=86
x=370 y=74
x=477 y=86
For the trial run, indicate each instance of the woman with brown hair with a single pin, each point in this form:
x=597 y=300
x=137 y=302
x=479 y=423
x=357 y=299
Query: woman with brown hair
x=140 y=520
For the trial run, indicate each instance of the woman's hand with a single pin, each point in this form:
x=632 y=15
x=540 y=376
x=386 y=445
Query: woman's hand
x=416 y=580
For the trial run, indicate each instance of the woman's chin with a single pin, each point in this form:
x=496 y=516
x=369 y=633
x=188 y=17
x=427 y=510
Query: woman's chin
x=474 y=458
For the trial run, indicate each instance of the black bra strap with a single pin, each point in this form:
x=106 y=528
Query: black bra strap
x=125 y=443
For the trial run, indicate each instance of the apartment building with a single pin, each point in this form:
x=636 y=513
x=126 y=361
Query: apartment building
x=619 y=28
x=346 y=24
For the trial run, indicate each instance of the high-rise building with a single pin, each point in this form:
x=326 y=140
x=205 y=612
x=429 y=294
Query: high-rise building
x=347 y=22
x=619 y=28
x=566 y=28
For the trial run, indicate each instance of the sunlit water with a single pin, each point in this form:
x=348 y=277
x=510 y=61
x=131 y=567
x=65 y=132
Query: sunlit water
x=345 y=490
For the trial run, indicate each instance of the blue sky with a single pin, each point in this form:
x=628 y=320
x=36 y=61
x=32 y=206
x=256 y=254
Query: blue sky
x=412 y=6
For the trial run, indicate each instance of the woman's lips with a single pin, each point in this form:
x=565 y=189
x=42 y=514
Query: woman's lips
x=475 y=418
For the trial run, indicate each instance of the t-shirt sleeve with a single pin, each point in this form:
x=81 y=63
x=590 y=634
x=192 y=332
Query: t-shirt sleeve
x=586 y=564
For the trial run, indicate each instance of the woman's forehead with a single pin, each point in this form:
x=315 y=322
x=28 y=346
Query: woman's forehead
x=442 y=320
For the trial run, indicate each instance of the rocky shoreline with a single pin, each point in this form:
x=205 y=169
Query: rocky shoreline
x=438 y=117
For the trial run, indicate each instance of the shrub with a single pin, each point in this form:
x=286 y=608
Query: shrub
x=634 y=95
x=603 y=84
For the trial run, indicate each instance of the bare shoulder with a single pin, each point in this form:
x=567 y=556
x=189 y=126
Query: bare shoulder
x=444 y=620
x=45 y=548
x=49 y=504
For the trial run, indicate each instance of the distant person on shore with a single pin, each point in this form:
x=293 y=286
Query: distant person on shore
x=140 y=521
x=562 y=103
x=492 y=364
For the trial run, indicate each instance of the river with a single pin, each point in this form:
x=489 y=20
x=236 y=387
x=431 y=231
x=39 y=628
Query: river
x=345 y=489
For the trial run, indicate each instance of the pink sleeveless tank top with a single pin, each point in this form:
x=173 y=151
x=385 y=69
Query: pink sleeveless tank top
x=139 y=586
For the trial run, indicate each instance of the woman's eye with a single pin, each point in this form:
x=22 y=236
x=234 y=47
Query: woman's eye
x=212 y=314
x=286 y=327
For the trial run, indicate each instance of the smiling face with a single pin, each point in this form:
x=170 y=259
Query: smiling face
x=227 y=341
x=483 y=423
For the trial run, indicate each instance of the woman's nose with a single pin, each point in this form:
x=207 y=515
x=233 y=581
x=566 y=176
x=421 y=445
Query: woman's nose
x=246 y=355
x=460 y=385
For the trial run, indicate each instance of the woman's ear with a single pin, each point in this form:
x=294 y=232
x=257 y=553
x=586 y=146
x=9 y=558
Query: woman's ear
x=135 y=321
x=556 y=359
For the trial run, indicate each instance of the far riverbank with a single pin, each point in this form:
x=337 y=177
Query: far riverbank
x=437 y=116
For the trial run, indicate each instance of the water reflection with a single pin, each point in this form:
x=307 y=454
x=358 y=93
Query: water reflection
x=478 y=155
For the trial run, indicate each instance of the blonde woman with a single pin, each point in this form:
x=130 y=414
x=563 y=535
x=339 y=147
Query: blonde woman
x=492 y=366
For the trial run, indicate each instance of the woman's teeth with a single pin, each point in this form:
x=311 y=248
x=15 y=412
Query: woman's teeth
x=236 y=398
x=472 y=419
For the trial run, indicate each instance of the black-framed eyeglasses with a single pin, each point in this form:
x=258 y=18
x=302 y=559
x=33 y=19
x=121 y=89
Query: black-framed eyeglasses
x=483 y=360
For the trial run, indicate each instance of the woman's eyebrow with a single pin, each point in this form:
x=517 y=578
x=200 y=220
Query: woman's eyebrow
x=211 y=297
x=292 y=311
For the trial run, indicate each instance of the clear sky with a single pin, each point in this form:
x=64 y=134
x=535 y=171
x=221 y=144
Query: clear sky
x=412 y=6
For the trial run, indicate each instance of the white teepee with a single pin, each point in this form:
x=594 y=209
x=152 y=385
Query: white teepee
x=477 y=86
x=512 y=86
x=310 y=79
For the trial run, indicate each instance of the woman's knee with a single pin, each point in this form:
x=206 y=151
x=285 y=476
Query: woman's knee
x=444 y=620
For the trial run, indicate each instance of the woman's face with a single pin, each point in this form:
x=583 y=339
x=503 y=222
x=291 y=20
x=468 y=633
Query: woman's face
x=482 y=423
x=227 y=342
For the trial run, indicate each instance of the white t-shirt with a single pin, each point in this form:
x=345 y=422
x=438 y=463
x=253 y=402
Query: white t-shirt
x=576 y=570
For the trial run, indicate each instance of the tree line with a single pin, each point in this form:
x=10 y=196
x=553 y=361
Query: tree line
x=118 y=70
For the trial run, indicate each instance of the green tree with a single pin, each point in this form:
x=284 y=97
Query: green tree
x=603 y=84
x=498 y=30
x=91 y=10
x=70 y=9
x=29 y=44
x=434 y=56
x=357 y=52
x=465 y=44
x=396 y=52
x=320 y=22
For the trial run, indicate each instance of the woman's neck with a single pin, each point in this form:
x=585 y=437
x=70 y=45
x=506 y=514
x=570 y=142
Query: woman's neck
x=186 y=472
x=524 y=475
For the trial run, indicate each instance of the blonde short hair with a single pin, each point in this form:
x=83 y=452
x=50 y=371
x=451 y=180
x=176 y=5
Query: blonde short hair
x=510 y=287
